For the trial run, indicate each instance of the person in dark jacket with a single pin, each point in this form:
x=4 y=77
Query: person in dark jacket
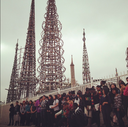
x=11 y=115
x=77 y=116
x=28 y=112
x=88 y=98
x=33 y=113
x=96 y=109
x=49 y=112
x=81 y=104
x=105 y=107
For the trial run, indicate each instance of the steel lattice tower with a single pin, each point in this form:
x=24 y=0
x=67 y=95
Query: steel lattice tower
x=51 y=69
x=12 y=91
x=28 y=70
x=86 y=70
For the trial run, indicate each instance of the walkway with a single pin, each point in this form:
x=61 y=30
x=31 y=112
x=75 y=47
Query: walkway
x=125 y=120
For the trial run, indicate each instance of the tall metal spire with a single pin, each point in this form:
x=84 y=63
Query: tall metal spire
x=73 y=82
x=86 y=70
x=28 y=72
x=116 y=72
x=51 y=69
x=12 y=91
x=72 y=60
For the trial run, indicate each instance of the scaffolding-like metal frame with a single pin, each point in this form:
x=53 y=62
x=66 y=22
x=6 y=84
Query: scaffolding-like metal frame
x=86 y=70
x=28 y=80
x=13 y=87
x=51 y=69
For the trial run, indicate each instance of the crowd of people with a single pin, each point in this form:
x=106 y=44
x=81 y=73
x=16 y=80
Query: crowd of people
x=74 y=110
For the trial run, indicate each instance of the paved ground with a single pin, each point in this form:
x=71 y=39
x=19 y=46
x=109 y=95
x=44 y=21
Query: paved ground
x=94 y=125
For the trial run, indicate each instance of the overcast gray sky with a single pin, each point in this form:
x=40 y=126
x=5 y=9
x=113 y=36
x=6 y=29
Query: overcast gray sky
x=106 y=27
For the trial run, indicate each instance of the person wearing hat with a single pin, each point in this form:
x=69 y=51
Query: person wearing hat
x=77 y=116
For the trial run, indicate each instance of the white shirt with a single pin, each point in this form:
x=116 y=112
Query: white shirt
x=54 y=103
x=77 y=101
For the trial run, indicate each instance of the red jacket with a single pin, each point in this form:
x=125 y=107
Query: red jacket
x=125 y=91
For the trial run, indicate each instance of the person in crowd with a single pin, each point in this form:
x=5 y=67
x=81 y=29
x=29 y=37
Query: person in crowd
x=70 y=102
x=46 y=98
x=33 y=113
x=88 y=106
x=77 y=99
x=43 y=110
x=127 y=79
x=64 y=114
x=96 y=108
x=50 y=112
x=112 y=86
x=102 y=84
x=81 y=103
x=11 y=115
x=59 y=97
x=122 y=87
x=117 y=106
x=73 y=96
x=63 y=100
x=17 y=114
x=70 y=95
x=55 y=106
x=28 y=112
x=99 y=91
x=22 y=113
x=77 y=116
x=105 y=107
x=38 y=112
x=79 y=92
x=125 y=98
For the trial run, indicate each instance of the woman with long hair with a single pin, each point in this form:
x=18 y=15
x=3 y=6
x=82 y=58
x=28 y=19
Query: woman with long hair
x=117 y=106
x=105 y=107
